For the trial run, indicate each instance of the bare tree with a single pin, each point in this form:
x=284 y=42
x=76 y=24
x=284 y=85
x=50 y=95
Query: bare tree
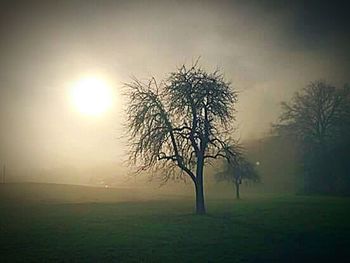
x=237 y=169
x=318 y=118
x=317 y=115
x=180 y=124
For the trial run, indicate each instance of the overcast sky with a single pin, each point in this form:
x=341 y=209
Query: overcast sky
x=268 y=49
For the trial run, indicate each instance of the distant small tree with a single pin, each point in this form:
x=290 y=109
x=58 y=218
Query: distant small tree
x=180 y=124
x=318 y=118
x=237 y=169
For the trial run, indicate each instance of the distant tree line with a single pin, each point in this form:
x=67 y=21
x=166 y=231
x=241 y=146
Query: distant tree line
x=317 y=119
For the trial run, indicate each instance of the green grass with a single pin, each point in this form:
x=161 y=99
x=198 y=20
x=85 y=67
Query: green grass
x=266 y=228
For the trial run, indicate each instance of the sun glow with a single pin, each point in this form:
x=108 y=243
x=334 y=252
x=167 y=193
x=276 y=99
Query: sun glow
x=91 y=96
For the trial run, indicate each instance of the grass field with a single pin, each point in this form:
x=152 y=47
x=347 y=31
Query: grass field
x=42 y=222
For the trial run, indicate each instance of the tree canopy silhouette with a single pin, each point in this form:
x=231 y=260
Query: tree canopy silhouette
x=318 y=118
x=180 y=124
x=237 y=169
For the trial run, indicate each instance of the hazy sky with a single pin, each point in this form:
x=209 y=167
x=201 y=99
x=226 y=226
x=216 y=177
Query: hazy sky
x=268 y=49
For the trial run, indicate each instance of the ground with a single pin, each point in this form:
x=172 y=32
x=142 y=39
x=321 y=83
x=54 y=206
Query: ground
x=43 y=222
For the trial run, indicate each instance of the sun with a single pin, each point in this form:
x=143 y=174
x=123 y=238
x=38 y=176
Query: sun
x=91 y=96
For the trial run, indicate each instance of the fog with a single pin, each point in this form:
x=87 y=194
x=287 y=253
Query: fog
x=267 y=50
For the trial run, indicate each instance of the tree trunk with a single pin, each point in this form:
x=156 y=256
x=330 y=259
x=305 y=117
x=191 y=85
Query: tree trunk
x=200 y=203
x=237 y=190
